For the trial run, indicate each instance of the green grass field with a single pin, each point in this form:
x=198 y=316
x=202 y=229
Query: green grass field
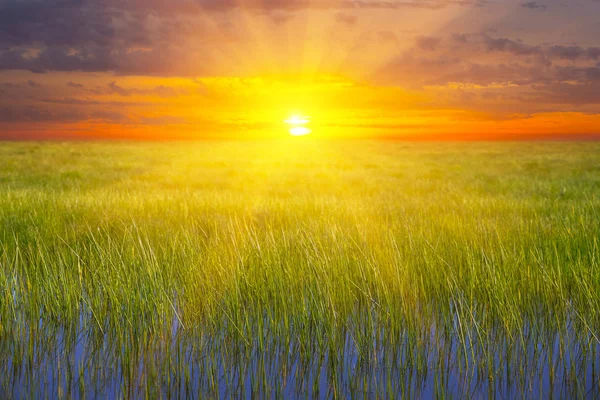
x=299 y=268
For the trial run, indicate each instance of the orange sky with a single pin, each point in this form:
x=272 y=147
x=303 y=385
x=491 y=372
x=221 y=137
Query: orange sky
x=439 y=69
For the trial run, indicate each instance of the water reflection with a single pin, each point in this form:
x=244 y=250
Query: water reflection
x=49 y=359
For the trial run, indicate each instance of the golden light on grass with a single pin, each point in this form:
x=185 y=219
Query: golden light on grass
x=298 y=127
x=281 y=246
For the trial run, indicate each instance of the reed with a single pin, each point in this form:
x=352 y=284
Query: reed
x=299 y=268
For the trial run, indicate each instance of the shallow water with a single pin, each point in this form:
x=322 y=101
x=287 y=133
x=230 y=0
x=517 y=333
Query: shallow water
x=54 y=361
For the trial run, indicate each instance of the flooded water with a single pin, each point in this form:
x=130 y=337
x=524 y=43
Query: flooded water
x=54 y=361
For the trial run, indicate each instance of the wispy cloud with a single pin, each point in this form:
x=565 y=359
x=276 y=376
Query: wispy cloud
x=534 y=5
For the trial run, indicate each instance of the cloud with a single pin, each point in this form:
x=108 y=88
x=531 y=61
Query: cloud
x=427 y=43
x=510 y=46
x=203 y=38
x=334 y=4
x=165 y=91
x=164 y=120
x=149 y=37
x=534 y=5
x=54 y=23
x=33 y=84
x=110 y=23
x=161 y=91
x=525 y=76
x=567 y=94
x=281 y=17
x=346 y=19
x=114 y=88
x=387 y=37
x=460 y=37
x=23 y=113
x=415 y=71
x=70 y=101
x=75 y=85
x=109 y=116
x=90 y=36
x=519 y=48
x=41 y=114
x=573 y=52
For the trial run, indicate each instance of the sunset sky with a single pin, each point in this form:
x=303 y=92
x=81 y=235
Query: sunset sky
x=456 y=69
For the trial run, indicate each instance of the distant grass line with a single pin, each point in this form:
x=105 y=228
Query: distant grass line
x=313 y=246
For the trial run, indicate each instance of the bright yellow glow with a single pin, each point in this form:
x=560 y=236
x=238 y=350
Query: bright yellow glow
x=300 y=131
x=297 y=120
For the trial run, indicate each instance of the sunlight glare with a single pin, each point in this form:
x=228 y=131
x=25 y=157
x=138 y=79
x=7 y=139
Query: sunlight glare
x=298 y=125
x=297 y=120
x=299 y=131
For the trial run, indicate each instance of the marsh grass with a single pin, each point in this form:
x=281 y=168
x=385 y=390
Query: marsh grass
x=299 y=268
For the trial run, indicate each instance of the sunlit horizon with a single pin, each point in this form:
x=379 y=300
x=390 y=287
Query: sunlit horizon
x=299 y=199
x=193 y=70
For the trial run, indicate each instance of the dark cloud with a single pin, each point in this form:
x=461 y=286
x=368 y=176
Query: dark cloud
x=528 y=76
x=20 y=113
x=74 y=102
x=281 y=17
x=267 y=5
x=34 y=114
x=510 y=46
x=89 y=36
x=114 y=88
x=460 y=37
x=57 y=59
x=161 y=91
x=519 y=48
x=143 y=36
x=54 y=23
x=33 y=84
x=427 y=43
x=387 y=37
x=534 y=5
x=160 y=60
x=165 y=91
x=109 y=116
x=574 y=52
x=347 y=19
x=580 y=75
x=561 y=93
x=152 y=37
x=418 y=72
x=75 y=85
x=426 y=4
x=70 y=101
x=163 y=120
x=114 y=23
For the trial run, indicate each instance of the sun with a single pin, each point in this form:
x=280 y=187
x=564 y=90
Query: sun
x=298 y=125
x=299 y=131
